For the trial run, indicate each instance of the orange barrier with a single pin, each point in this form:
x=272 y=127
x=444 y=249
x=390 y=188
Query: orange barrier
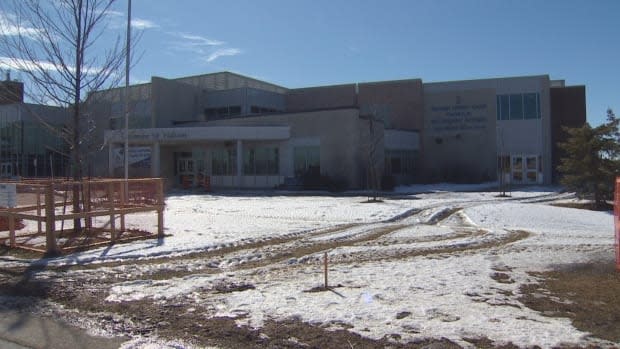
x=617 y=221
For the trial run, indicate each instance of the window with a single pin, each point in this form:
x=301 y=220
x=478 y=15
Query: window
x=234 y=110
x=504 y=107
x=261 y=161
x=497 y=108
x=532 y=177
x=222 y=112
x=530 y=110
x=531 y=174
x=401 y=162
x=224 y=162
x=517 y=163
x=517 y=176
x=307 y=160
x=261 y=110
x=516 y=107
x=185 y=166
x=530 y=163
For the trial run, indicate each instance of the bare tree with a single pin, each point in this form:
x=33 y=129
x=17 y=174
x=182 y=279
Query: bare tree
x=373 y=174
x=58 y=45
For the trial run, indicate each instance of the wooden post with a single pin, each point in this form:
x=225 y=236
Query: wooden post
x=123 y=185
x=11 y=227
x=39 y=210
x=87 y=205
x=160 y=207
x=325 y=268
x=50 y=221
x=111 y=210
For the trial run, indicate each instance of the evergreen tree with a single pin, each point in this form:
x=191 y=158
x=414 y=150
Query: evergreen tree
x=592 y=160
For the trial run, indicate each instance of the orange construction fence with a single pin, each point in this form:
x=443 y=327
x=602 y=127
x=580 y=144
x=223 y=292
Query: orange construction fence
x=617 y=221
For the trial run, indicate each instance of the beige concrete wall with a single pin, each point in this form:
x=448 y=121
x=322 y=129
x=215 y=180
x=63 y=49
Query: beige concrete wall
x=338 y=132
x=518 y=136
x=399 y=103
x=174 y=101
x=323 y=97
x=459 y=142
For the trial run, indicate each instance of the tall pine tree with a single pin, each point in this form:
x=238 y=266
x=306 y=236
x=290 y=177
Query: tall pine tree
x=592 y=160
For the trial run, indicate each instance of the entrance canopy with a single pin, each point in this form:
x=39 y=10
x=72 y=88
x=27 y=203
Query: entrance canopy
x=177 y=135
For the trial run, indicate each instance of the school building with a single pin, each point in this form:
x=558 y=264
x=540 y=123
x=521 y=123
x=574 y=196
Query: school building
x=233 y=131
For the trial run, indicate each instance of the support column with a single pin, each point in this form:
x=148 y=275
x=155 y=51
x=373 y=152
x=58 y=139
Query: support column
x=239 y=162
x=156 y=160
x=160 y=208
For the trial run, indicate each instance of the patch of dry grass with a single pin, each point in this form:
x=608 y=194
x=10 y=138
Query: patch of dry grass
x=589 y=294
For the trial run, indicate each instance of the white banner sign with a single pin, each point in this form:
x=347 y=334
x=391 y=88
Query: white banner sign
x=137 y=156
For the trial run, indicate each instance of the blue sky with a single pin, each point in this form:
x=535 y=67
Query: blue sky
x=308 y=43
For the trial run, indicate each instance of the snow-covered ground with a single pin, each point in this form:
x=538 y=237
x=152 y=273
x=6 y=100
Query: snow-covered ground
x=418 y=265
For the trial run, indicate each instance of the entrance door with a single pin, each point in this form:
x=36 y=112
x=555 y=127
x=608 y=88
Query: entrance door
x=525 y=169
x=185 y=169
x=531 y=169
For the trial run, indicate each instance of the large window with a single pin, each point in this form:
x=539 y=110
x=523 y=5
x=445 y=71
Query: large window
x=307 y=160
x=503 y=107
x=261 y=161
x=518 y=106
x=224 y=162
x=530 y=109
x=255 y=109
x=222 y=112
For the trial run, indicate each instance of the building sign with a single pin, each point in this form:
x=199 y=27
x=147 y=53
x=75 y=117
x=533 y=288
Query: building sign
x=215 y=133
x=138 y=157
x=459 y=117
x=161 y=135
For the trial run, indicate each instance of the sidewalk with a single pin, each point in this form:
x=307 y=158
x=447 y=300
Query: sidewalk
x=27 y=331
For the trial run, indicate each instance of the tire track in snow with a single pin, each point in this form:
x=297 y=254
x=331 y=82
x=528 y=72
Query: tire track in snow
x=262 y=252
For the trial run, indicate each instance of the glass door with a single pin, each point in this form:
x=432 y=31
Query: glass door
x=531 y=169
x=185 y=170
x=517 y=169
x=524 y=169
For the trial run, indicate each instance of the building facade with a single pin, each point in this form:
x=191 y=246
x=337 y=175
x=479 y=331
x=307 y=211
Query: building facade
x=237 y=132
x=30 y=140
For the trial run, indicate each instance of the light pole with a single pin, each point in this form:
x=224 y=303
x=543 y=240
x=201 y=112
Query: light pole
x=126 y=150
